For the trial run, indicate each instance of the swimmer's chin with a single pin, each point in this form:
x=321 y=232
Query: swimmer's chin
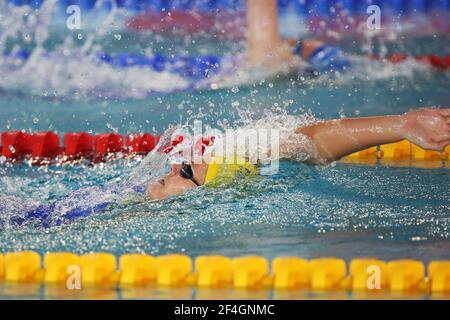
x=153 y=197
x=156 y=199
x=150 y=195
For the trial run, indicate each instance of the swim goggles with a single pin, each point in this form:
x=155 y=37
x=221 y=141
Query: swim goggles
x=187 y=173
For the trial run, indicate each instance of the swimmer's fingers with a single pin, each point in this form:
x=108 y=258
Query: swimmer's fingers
x=439 y=141
x=444 y=124
x=445 y=112
x=444 y=145
x=447 y=125
x=438 y=146
x=440 y=136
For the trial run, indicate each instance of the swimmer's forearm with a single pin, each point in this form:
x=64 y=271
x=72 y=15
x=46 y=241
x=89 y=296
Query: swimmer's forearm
x=428 y=128
x=263 y=31
x=337 y=138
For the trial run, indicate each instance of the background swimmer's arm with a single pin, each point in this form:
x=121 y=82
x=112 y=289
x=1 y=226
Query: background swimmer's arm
x=264 y=44
x=428 y=128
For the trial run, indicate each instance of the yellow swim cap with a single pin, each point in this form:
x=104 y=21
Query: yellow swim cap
x=223 y=169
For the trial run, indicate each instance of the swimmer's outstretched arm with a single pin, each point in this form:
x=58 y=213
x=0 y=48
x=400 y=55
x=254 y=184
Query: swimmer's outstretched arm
x=428 y=128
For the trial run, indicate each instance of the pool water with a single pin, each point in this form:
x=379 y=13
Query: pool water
x=340 y=210
x=343 y=211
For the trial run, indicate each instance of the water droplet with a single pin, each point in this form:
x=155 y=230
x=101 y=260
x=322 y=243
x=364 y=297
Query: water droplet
x=12 y=149
x=117 y=36
x=80 y=36
x=235 y=89
x=35 y=120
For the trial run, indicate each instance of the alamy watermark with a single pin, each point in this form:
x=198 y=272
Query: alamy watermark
x=73 y=22
x=73 y=281
x=374 y=277
x=258 y=146
x=374 y=20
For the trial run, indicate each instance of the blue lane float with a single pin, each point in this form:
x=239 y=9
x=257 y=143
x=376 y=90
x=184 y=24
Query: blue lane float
x=326 y=58
x=199 y=67
x=186 y=66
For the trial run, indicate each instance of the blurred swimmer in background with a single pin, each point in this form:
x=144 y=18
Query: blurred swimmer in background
x=266 y=49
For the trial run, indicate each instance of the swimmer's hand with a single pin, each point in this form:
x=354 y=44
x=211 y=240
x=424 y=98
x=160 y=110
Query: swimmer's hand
x=428 y=128
x=334 y=139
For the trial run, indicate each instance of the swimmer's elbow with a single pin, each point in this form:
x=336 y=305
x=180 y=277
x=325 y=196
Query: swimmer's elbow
x=320 y=159
x=321 y=154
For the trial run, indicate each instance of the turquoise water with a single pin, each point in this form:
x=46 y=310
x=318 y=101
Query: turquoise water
x=344 y=211
x=341 y=210
x=397 y=90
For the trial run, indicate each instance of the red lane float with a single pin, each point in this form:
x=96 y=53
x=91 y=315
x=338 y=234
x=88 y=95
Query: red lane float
x=15 y=144
x=177 y=140
x=441 y=63
x=140 y=142
x=78 y=144
x=45 y=145
x=19 y=145
x=224 y=24
x=447 y=61
x=107 y=143
x=397 y=57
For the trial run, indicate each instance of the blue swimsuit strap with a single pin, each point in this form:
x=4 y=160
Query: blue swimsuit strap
x=332 y=51
x=298 y=49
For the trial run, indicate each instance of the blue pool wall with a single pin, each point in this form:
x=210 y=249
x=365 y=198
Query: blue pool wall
x=302 y=7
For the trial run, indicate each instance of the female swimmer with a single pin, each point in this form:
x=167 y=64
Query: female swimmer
x=331 y=140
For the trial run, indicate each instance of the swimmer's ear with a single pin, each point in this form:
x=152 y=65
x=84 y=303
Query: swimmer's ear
x=292 y=42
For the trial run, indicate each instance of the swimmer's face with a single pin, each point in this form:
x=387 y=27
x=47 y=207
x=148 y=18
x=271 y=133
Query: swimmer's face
x=174 y=184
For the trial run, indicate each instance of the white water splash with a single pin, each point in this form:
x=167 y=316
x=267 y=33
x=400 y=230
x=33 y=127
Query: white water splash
x=290 y=145
x=69 y=70
x=74 y=75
